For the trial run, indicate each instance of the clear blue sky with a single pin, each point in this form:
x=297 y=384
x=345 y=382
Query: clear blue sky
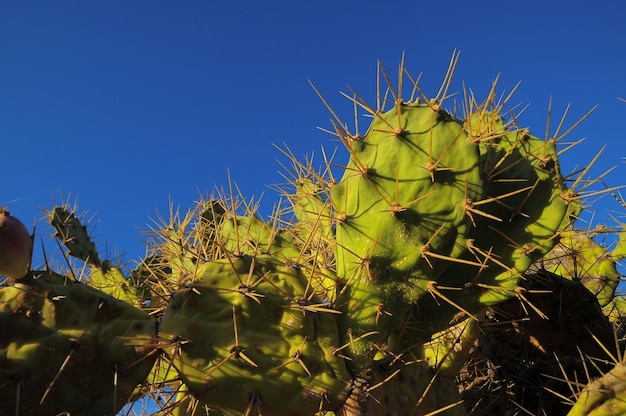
x=126 y=104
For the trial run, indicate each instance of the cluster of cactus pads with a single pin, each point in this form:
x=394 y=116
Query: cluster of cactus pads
x=441 y=272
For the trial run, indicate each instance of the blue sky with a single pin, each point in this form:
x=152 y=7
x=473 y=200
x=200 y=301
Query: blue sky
x=128 y=104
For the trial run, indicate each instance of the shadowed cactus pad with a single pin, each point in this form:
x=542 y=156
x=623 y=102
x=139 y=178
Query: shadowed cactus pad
x=535 y=351
x=518 y=221
x=73 y=234
x=404 y=386
x=69 y=348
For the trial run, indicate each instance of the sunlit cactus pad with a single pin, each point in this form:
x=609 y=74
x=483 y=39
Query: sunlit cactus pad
x=248 y=333
x=579 y=256
x=604 y=396
x=437 y=214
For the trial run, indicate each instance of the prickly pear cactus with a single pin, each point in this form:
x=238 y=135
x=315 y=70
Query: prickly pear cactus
x=248 y=326
x=370 y=293
x=450 y=349
x=103 y=274
x=579 y=256
x=534 y=351
x=404 y=386
x=73 y=234
x=69 y=348
x=604 y=396
x=437 y=217
x=400 y=211
x=515 y=224
x=247 y=334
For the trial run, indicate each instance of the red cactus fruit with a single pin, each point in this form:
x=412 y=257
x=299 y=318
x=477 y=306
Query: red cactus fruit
x=15 y=246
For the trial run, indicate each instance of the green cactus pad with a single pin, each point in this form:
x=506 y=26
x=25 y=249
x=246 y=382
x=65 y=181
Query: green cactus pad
x=113 y=282
x=249 y=235
x=70 y=348
x=401 y=213
x=248 y=333
x=520 y=221
x=314 y=229
x=619 y=252
x=578 y=256
x=448 y=350
x=405 y=188
x=71 y=232
x=605 y=396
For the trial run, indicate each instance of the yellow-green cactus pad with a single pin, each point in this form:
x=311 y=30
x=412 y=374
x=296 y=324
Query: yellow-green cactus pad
x=248 y=334
x=70 y=348
x=401 y=213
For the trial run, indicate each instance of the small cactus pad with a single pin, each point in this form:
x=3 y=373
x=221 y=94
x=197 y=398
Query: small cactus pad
x=578 y=256
x=605 y=396
x=70 y=231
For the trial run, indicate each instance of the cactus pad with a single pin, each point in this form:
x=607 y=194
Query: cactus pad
x=248 y=335
x=70 y=348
